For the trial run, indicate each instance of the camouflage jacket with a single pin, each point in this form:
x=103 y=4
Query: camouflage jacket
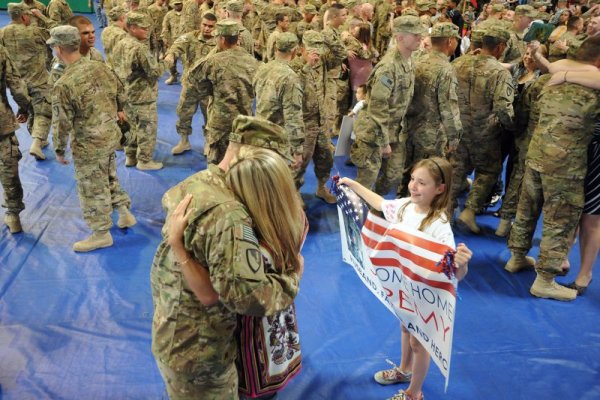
x=227 y=77
x=138 y=70
x=568 y=114
x=269 y=53
x=26 y=46
x=390 y=89
x=111 y=35
x=59 y=11
x=186 y=335
x=191 y=17
x=10 y=79
x=58 y=67
x=554 y=53
x=433 y=117
x=279 y=100
x=246 y=41
x=172 y=28
x=85 y=102
x=158 y=15
x=336 y=51
x=312 y=84
x=515 y=48
x=37 y=5
x=190 y=48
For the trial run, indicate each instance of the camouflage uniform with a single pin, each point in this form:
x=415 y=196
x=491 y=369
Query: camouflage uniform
x=336 y=55
x=554 y=53
x=158 y=14
x=35 y=4
x=269 y=53
x=227 y=77
x=556 y=166
x=85 y=102
x=9 y=145
x=58 y=67
x=172 y=27
x=59 y=11
x=139 y=71
x=191 y=17
x=111 y=35
x=190 y=48
x=381 y=26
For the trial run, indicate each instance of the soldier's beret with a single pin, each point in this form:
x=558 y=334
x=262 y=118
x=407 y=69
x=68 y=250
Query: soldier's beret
x=498 y=7
x=17 y=9
x=234 y=6
x=116 y=12
x=444 y=30
x=64 y=35
x=286 y=42
x=309 y=9
x=526 y=11
x=260 y=132
x=227 y=27
x=409 y=24
x=139 y=19
x=497 y=32
x=313 y=40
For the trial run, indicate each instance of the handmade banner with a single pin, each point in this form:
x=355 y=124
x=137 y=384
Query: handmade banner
x=401 y=266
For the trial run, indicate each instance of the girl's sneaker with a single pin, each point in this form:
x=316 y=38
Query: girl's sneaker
x=402 y=395
x=392 y=376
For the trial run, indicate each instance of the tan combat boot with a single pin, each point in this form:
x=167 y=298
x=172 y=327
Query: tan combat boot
x=149 y=166
x=519 y=262
x=323 y=193
x=97 y=240
x=546 y=287
x=467 y=219
x=171 y=80
x=13 y=222
x=36 y=150
x=503 y=228
x=130 y=161
x=126 y=218
x=181 y=147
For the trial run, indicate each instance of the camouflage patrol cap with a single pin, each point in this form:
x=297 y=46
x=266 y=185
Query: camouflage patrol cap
x=349 y=4
x=234 y=6
x=526 y=11
x=444 y=30
x=410 y=11
x=116 y=12
x=477 y=35
x=286 y=42
x=409 y=24
x=544 y=16
x=313 y=40
x=15 y=10
x=139 y=19
x=64 y=35
x=175 y=2
x=496 y=31
x=309 y=9
x=260 y=132
x=227 y=27
x=498 y=7
x=424 y=5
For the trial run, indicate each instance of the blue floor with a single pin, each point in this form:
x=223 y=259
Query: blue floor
x=77 y=326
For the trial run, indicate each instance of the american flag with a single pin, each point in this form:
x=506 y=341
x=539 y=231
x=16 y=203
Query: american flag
x=350 y=203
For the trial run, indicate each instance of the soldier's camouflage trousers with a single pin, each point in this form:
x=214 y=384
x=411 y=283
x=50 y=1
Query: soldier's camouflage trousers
x=143 y=118
x=40 y=120
x=318 y=148
x=186 y=109
x=182 y=386
x=385 y=174
x=215 y=151
x=99 y=191
x=416 y=151
x=561 y=200
x=9 y=174
x=511 y=197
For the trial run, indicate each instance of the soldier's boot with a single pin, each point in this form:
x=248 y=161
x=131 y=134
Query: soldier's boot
x=503 y=228
x=171 y=80
x=323 y=193
x=519 y=262
x=467 y=219
x=149 y=165
x=181 y=147
x=13 y=222
x=546 y=287
x=97 y=240
x=126 y=218
x=36 y=150
x=130 y=161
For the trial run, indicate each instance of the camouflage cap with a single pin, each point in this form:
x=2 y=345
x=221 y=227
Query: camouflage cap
x=235 y=6
x=349 y=4
x=444 y=30
x=424 y=5
x=17 y=9
x=498 y=7
x=64 y=35
x=544 y=16
x=139 y=19
x=410 y=11
x=496 y=31
x=286 y=42
x=227 y=27
x=477 y=35
x=309 y=9
x=409 y=24
x=526 y=11
x=260 y=132
x=313 y=40
x=116 y=12
x=175 y=2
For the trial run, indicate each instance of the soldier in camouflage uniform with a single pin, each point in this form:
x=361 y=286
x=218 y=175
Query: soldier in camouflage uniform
x=191 y=48
x=486 y=93
x=555 y=169
x=234 y=9
x=282 y=22
x=26 y=46
x=193 y=340
x=279 y=94
x=138 y=69
x=59 y=11
x=38 y=11
x=515 y=48
x=86 y=102
x=157 y=11
x=227 y=77
x=308 y=14
x=9 y=145
x=114 y=33
x=379 y=127
x=433 y=118
x=171 y=31
x=312 y=69
x=191 y=16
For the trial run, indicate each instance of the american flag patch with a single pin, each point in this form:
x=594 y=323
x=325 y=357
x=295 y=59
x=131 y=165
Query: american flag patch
x=248 y=235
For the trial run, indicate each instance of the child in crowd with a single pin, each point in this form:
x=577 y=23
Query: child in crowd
x=361 y=101
x=424 y=210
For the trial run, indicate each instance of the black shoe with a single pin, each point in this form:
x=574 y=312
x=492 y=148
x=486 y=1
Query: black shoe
x=580 y=289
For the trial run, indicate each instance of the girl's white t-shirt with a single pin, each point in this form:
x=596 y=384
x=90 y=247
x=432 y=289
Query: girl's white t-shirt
x=439 y=229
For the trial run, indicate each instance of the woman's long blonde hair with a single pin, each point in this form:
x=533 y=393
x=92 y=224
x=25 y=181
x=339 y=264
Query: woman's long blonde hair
x=262 y=180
